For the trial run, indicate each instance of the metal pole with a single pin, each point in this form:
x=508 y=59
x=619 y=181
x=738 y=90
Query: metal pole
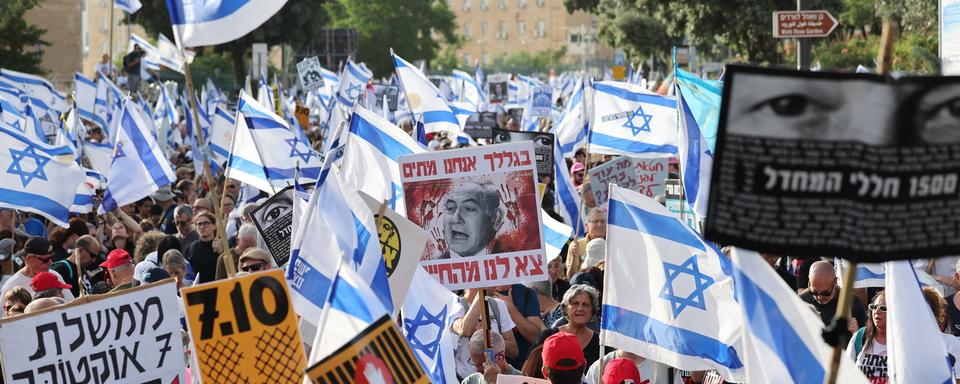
x=112 y=22
x=803 y=46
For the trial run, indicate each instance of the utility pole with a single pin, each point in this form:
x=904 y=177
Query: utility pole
x=803 y=46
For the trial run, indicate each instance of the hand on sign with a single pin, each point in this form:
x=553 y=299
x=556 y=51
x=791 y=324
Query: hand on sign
x=373 y=375
x=852 y=325
x=490 y=372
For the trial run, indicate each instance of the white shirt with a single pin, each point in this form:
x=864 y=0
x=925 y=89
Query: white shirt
x=20 y=279
x=651 y=370
x=465 y=367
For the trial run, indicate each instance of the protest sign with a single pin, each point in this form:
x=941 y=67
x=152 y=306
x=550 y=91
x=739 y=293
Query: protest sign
x=131 y=336
x=497 y=88
x=644 y=175
x=244 y=330
x=479 y=206
x=480 y=125
x=274 y=221
x=302 y=114
x=542 y=101
x=542 y=148
x=402 y=243
x=866 y=171
x=310 y=74
x=379 y=354
x=676 y=203
x=391 y=91
x=517 y=115
x=517 y=379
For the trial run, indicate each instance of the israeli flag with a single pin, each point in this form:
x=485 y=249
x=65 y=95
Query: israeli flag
x=351 y=307
x=571 y=131
x=128 y=6
x=369 y=163
x=629 y=120
x=85 y=96
x=101 y=107
x=138 y=167
x=568 y=200
x=470 y=90
x=353 y=81
x=38 y=177
x=37 y=89
x=336 y=226
x=99 y=155
x=199 y=23
x=428 y=312
x=668 y=295
x=264 y=93
x=696 y=159
x=265 y=152
x=424 y=99
x=916 y=352
x=83 y=203
x=171 y=54
x=66 y=134
x=703 y=102
x=32 y=125
x=555 y=235
x=782 y=340
x=221 y=137
x=462 y=110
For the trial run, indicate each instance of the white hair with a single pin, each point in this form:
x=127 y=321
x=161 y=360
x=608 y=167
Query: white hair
x=247 y=231
x=477 y=344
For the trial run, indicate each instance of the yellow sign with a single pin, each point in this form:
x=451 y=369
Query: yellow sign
x=379 y=354
x=303 y=116
x=619 y=72
x=244 y=330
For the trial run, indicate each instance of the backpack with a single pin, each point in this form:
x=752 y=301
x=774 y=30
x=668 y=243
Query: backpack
x=858 y=339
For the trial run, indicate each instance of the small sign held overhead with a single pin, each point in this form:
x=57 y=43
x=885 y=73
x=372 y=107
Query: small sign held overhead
x=309 y=73
x=802 y=24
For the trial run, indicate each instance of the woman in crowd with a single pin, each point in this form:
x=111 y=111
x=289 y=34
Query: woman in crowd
x=15 y=301
x=868 y=347
x=176 y=265
x=558 y=279
x=579 y=305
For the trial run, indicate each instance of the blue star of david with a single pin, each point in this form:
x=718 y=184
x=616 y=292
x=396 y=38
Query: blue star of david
x=645 y=127
x=424 y=318
x=118 y=152
x=296 y=152
x=25 y=176
x=353 y=90
x=695 y=298
x=16 y=124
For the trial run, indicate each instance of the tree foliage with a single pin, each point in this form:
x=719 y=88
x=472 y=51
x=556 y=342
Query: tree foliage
x=413 y=29
x=525 y=62
x=296 y=24
x=18 y=38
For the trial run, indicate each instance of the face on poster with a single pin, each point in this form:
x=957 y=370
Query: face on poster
x=497 y=88
x=479 y=203
x=274 y=219
x=542 y=148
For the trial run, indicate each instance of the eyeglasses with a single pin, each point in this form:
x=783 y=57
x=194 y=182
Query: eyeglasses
x=44 y=260
x=182 y=223
x=252 y=267
x=877 y=307
x=204 y=223
x=822 y=293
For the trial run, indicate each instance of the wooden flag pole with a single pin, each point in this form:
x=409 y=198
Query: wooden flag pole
x=484 y=319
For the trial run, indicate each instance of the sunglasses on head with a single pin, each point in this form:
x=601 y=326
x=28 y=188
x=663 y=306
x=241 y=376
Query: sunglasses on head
x=43 y=259
x=877 y=307
x=252 y=267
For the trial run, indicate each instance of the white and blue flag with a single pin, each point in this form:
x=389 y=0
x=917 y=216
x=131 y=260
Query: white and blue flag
x=351 y=307
x=353 y=81
x=782 y=340
x=555 y=235
x=629 y=120
x=916 y=352
x=37 y=89
x=369 y=163
x=265 y=152
x=703 y=101
x=83 y=202
x=85 y=96
x=100 y=155
x=221 y=137
x=695 y=157
x=37 y=177
x=428 y=312
x=470 y=90
x=668 y=294
x=199 y=23
x=571 y=131
x=424 y=99
x=128 y=6
x=568 y=199
x=138 y=167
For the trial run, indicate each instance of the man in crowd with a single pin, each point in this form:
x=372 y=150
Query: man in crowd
x=472 y=219
x=164 y=198
x=524 y=309
x=254 y=260
x=488 y=367
x=466 y=325
x=563 y=361
x=46 y=284
x=120 y=268
x=953 y=306
x=84 y=254
x=131 y=66
x=824 y=294
x=185 y=232
x=228 y=262
x=596 y=226
x=38 y=257
x=104 y=68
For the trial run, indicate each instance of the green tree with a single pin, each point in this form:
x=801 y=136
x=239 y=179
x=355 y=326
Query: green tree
x=413 y=29
x=18 y=38
x=525 y=62
x=297 y=23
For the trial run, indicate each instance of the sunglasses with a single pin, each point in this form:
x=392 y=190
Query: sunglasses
x=877 y=307
x=182 y=223
x=252 y=267
x=203 y=223
x=822 y=293
x=44 y=259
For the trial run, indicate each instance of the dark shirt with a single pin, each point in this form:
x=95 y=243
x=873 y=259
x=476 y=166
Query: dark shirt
x=591 y=352
x=953 y=316
x=187 y=240
x=203 y=260
x=558 y=288
x=68 y=271
x=167 y=222
x=131 y=63
x=60 y=254
x=828 y=310
x=525 y=299
x=787 y=277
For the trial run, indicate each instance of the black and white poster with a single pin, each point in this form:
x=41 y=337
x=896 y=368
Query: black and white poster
x=857 y=166
x=480 y=125
x=308 y=71
x=542 y=148
x=274 y=221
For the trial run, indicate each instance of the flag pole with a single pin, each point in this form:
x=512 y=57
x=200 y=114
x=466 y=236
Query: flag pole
x=586 y=169
x=211 y=182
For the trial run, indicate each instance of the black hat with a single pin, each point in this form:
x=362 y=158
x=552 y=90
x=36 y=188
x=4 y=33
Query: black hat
x=38 y=246
x=155 y=274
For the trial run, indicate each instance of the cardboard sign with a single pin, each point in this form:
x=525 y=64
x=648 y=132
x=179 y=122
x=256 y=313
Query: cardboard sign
x=479 y=206
x=866 y=171
x=379 y=354
x=303 y=116
x=542 y=101
x=131 y=336
x=402 y=243
x=498 y=88
x=244 y=330
x=542 y=147
x=309 y=73
x=480 y=125
x=644 y=175
x=274 y=221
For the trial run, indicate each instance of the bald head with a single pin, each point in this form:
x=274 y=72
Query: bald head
x=823 y=280
x=822 y=269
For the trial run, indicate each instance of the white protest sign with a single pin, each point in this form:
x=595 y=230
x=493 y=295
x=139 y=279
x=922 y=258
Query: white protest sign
x=132 y=336
x=480 y=209
x=652 y=173
x=644 y=175
x=309 y=73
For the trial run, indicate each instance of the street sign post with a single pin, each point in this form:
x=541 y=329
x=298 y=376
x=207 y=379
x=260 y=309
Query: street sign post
x=803 y=24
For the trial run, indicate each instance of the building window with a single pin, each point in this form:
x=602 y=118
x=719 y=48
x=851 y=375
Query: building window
x=501 y=4
x=521 y=28
x=467 y=32
x=466 y=5
x=540 y=3
x=521 y=4
x=486 y=59
x=574 y=37
x=541 y=28
x=85 y=26
x=466 y=60
x=484 y=5
x=484 y=27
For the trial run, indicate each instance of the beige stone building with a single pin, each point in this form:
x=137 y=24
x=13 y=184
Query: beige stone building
x=493 y=27
x=79 y=34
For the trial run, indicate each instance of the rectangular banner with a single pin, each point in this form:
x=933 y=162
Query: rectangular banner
x=309 y=73
x=676 y=203
x=497 y=88
x=480 y=209
x=644 y=175
x=274 y=221
x=480 y=125
x=131 y=336
x=542 y=148
x=379 y=354
x=542 y=101
x=858 y=166
x=244 y=330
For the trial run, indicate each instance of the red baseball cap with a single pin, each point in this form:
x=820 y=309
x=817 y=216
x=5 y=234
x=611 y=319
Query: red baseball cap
x=562 y=352
x=116 y=258
x=46 y=280
x=621 y=371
